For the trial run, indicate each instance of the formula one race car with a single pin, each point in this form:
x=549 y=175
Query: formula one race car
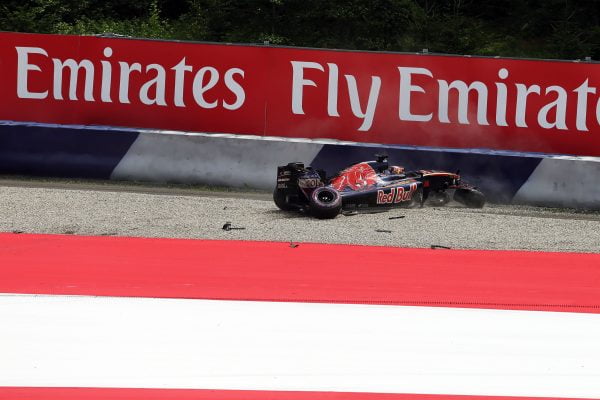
x=368 y=184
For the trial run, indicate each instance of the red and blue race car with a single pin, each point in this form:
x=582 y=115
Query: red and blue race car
x=368 y=184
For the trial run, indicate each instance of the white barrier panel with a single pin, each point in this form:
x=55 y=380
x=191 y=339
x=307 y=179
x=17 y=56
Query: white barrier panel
x=563 y=181
x=224 y=160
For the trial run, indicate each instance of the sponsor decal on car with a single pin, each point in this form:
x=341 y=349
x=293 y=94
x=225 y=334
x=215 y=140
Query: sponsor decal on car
x=310 y=183
x=357 y=177
x=397 y=194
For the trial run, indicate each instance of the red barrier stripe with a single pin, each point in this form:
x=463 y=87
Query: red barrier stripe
x=234 y=270
x=23 y=393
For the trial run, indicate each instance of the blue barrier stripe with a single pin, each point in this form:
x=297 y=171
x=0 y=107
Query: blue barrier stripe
x=62 y=152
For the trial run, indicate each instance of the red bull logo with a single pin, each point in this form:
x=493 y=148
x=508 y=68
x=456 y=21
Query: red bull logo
x=357 y=177
x=396 y=195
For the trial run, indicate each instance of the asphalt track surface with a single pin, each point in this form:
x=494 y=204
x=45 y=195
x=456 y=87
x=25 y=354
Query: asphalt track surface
x=143 y=210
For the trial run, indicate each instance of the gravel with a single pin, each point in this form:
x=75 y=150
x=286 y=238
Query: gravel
x=122 y=210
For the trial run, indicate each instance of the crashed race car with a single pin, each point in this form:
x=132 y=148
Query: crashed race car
x=368 y=184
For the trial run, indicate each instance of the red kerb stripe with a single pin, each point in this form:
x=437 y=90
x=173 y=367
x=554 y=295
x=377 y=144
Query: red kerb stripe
x=22 y=393
x=236 y=270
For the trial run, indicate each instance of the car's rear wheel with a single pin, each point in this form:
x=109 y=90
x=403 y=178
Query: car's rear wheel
x=472 y=198
x=325 y=203
x=279 y=198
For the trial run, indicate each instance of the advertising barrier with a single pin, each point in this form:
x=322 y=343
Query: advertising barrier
x=389 y=98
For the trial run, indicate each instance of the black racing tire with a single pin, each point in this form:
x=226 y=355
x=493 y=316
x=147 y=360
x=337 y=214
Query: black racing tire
x=471 y=198
x=279 y=199
x=325 y=203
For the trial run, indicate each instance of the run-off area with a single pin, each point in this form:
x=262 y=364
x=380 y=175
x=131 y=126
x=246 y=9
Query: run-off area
x=96 y=208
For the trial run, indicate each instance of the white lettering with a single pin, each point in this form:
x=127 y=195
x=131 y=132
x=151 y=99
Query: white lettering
x=106 y=77
x=582 y=93
x=158 y=82
x=406 y=88
x=199 y=88
x=298 y=82
x=332 y=91
x=522 y=93
x=236 y=88
x=23 y=67
x=463 y=101
x=124 y=81
x=560 y=104
x=367 y=116
x=151 y=90
x=74 y=67
x=180 y=70
x=501 y=96
x=598 y=111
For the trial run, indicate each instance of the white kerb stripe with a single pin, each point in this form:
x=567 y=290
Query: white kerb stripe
x=72 y=341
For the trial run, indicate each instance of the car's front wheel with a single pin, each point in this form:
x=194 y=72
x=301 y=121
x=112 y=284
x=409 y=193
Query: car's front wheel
x=472 y=198
x=325 y=203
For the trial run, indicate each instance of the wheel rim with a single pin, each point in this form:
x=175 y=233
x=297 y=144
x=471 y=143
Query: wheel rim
x=326 y=196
